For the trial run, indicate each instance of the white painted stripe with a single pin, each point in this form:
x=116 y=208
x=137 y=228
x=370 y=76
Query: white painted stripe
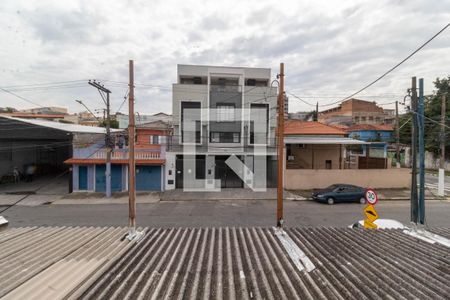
x=427 y=236
x=298 y=257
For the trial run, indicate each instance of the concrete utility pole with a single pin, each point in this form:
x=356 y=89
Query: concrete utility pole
x=131 y=159
x=414 y=202
x=280 y=144
x=421 y=153
x=101 y=89
x=397 y=133
x=441 y=184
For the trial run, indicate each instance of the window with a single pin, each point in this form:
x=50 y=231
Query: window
x=256 y=109
x=154 y=139
x=328 y=164
x=225 y=113
x=195 y=115
x=225 y=137
x=251 y=82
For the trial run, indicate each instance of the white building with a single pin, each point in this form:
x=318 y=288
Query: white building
x=228 y=104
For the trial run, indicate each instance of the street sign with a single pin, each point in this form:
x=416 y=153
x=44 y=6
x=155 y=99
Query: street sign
x=370 y=225
x=371 y=196
x=371 y=213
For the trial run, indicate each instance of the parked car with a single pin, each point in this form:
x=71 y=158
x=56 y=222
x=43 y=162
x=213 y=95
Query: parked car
x=340 y=193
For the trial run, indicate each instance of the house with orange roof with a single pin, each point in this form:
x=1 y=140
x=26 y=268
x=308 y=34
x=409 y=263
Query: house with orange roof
x=89 y=160
x=314 y=145
x=319 y=155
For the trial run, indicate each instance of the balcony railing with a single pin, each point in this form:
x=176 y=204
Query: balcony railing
x=226 y=88
x=123 y=154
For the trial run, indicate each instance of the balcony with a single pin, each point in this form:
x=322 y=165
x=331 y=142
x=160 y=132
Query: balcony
x=142 y=154
x=118 y=154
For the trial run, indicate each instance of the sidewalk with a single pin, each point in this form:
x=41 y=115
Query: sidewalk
x=227 y=194
x=383 y=194
x=99 y=198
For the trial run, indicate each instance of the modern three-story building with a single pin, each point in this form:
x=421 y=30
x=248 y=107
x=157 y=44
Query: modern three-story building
x=221 y=113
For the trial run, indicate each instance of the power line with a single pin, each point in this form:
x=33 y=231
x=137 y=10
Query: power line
x=394 y=67
x=20 y=97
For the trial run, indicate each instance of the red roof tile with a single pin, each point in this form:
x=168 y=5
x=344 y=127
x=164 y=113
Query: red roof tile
x=297 y=127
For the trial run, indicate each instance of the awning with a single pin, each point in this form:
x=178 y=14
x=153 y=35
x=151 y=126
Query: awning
x=322 y=140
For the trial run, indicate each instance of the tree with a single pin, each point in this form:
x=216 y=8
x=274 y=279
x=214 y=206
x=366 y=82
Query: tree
x=433 y=115
x=113 y=124
x=432 y=118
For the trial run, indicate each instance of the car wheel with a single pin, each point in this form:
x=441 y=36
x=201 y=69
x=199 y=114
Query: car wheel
x=362 y=200
x=330 y=201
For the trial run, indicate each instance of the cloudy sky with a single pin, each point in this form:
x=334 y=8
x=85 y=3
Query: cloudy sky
x=330 y=48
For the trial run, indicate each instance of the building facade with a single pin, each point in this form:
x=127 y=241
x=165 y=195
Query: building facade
x=218 y=113
x=89 y=161
x=355 y=111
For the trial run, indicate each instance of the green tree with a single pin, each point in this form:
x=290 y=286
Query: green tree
x=433 y=115
x=432 y=118
x=113 y=124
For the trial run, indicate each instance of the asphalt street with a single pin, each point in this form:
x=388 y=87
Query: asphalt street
x=217 y=213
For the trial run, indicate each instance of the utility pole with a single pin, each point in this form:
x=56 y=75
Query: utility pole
x=414 y=202
x=317 y=111
x=131 y=160
x=442 y=160
x=397 y=132
x=421 y=154
x=101 y=89
x=280 y=142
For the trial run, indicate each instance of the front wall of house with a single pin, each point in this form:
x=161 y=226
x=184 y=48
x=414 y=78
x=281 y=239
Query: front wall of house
x=314 y=157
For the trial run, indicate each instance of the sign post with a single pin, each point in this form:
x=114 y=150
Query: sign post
x=369 y=210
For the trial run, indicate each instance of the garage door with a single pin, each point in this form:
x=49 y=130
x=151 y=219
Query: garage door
x=116 y=178
x=148 y=178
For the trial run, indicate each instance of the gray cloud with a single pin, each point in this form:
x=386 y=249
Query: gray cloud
x=327 y=47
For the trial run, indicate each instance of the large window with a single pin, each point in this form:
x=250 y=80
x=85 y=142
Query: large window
x=225 y=137
x=256 y=109
x=191 y=109
x=225 y=113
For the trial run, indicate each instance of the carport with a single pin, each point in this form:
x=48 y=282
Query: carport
x=44 y=144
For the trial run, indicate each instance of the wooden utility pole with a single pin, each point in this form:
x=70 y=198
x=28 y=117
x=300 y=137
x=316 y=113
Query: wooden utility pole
x=131 y=160
x=397 y=133
x=280 y=145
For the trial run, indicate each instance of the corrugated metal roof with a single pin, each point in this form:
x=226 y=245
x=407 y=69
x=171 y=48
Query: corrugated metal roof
x=49 y=262
x=322 y=140
x=245 y=263
x=75 y=128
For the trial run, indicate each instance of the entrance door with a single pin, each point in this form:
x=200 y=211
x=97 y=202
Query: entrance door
x=179 y=172
x=100 y=178
x=82 y=178
x=148 y=178
x=228 y=179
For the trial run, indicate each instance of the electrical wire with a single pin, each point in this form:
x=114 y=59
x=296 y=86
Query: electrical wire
x=393 y=68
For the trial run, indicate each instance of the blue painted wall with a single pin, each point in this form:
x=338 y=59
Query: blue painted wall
x=372 y=135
